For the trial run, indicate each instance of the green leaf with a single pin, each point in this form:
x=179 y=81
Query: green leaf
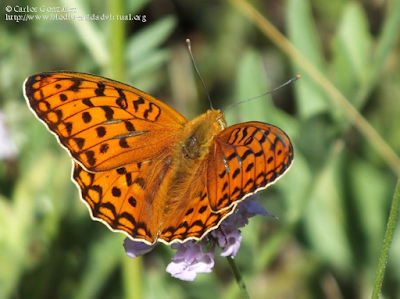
x=135 y=6
x=352 y=51
x=148 y=39
x=104 y=257
x=147 y=66
x=371 y=199
x=303 y=34
x=325 y=221
x=251 y=81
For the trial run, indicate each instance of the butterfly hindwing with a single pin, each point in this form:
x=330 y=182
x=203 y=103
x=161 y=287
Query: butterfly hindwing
x=246 y=158
x=104 y=124
x=195 y=219
x=130 y=199
x=124 y=198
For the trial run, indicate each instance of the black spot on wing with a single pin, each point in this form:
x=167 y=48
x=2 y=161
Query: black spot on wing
x=87 y=102
x=104 y=148
x=235 y=173
x=116 y=192
x=132 y=201
x=137 y=103
x=121 y=170
x=236 y=134
x=121 y=101
x=246 y=154
x=109 y=112
x=101 y=131
x=250 y=167
x=259 y=154
x=99 y=91
x=63 y=97
x=128 y=178
x=123 y=143
x=90 y=156
x=68 y=126
x=202 y=209
x=80 y=142
x=129 y=126
x=76 y=86
x=244 y=134
x=86 y=117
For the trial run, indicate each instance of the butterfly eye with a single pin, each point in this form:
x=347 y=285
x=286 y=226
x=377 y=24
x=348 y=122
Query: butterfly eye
x=192 y=141
x=190 y=148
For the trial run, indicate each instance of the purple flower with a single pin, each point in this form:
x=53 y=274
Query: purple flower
x=228 y=234
x=193 y=257
x=135 y=249
x=228 y=238
x=190 y=260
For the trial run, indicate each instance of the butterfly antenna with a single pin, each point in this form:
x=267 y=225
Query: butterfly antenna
x=197 y=71
x=264 y=94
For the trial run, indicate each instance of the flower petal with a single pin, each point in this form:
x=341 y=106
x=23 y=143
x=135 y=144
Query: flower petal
x=135 y=249
x=190 y=260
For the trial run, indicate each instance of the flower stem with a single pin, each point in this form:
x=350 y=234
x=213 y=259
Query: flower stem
x=380 y=273
x=238 y=277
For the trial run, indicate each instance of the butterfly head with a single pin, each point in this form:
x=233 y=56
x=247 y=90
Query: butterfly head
x=214 y=119
x=221 y=120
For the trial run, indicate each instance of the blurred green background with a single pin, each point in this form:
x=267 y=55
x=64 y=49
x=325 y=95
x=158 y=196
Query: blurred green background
x=333 y=204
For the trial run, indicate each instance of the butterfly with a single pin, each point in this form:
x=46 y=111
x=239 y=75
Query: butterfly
x=145 y=170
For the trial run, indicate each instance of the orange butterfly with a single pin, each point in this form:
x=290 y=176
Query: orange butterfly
x=146 y=171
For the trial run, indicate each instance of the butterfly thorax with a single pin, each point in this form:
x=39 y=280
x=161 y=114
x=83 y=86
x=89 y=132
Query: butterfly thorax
x=188 y=163
x=199 y=134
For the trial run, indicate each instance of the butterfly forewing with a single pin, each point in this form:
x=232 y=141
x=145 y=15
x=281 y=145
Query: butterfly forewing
x=247 y=158
x=103 y=124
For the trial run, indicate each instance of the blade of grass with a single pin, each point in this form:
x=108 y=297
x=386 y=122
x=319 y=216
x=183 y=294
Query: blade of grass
x=132 y=276
x=386 y=242
x=334 y=94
